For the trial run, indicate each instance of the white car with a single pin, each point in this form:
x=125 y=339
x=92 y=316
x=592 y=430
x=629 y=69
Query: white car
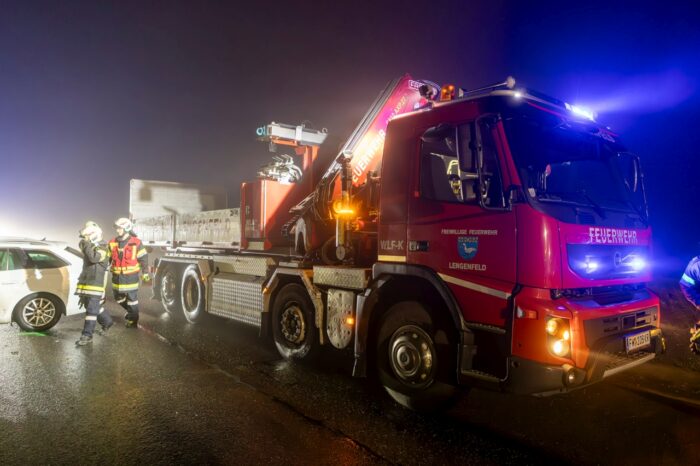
x=37 y=282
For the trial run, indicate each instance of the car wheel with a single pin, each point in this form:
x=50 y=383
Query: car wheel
x=192 y=294
x=170 y=291
x=293 y=327
x=38 y=312
x=415 y=359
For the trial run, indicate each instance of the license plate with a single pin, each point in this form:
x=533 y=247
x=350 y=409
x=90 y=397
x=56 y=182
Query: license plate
x=637 y=341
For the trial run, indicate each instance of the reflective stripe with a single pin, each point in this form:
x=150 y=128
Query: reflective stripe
x=388 y=258
x=121 y=300
x=91 y=287
x=103 y=255
x=131 y=303
x=688 y=280
x=90 y=293
x=126 y=270
x=474 y=286
x=101 y=310
x=126 y=287
x=141 y=253
x=90 y=317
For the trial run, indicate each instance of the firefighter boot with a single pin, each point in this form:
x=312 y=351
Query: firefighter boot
x=84 y=340
x=695 y=339
x=105 y=329
x=131 y=324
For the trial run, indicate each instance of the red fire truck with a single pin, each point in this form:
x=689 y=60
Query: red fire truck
x=493 y=238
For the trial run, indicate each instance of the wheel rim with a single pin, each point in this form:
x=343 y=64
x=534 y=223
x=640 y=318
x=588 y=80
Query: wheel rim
x=292 y=324
x=191 y=295
x=39 y=312
x=168 y=288
x=412 y=356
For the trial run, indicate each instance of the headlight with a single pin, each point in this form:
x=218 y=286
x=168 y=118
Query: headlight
x=558 y=336
x=560 y=348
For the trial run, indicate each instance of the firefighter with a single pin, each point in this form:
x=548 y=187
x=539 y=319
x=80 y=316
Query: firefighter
x=690 y=286
x=92 y=281
x=129 y=261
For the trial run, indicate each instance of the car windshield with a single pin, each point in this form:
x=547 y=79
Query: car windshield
x=571 y=163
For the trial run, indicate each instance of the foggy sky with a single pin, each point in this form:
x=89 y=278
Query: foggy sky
x=92 y=95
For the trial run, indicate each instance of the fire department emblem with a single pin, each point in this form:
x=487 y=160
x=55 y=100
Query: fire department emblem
x=467 y=246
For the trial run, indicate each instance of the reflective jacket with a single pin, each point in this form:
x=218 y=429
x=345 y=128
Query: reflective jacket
x=95 y=265
x=690 y=281
x=129 y=258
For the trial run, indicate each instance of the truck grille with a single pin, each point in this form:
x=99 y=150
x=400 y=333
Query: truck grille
x=613 y=325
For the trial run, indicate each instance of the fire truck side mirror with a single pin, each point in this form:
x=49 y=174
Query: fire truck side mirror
x=629 y=165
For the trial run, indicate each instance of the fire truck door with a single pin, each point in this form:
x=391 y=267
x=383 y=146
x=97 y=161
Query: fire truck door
x=469 y=242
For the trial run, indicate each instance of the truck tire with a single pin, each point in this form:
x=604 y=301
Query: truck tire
x=415 y=360
x=38 y=312
x=170 y=291
x=192 y=294
x=293 y=324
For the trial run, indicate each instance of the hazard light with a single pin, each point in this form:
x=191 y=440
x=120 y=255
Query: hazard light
x=447 y=92
x=343 y=210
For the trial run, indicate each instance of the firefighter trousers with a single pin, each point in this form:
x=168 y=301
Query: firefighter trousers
x=129 y=300
x=94 y=313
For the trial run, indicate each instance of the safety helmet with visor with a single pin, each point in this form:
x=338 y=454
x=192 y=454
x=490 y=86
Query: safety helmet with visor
x=91 y=232
x=123 y=224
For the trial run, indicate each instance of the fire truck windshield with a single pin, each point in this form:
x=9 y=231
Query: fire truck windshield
x=577 y=164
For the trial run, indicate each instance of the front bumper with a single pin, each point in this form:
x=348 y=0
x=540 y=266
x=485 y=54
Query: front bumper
x=607 y=358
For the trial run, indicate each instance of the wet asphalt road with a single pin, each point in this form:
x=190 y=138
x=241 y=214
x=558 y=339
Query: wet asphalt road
x=214 y=393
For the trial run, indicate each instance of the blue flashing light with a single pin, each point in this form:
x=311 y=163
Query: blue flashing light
x=590 y=265
x=637 y=263
x=580 y=111
x=261 y=131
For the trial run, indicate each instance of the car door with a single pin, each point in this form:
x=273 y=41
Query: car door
x=48 y=272
x=75 y=258
x=13 y=283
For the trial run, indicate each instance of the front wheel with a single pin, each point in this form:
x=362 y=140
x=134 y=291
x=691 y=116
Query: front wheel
x=415 y=358
x=293 y=324
x=192 y=294
x=37 y=313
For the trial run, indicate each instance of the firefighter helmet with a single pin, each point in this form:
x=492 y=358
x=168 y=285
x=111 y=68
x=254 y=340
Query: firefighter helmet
x=124 y=223
x=91 y=232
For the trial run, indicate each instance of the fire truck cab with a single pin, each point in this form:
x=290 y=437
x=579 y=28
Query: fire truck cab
x=514 y=236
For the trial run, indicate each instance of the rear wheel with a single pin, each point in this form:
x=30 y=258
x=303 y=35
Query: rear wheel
x=170 y=290
x=415 y=358
x=293 y=325
x=192 y=294
x=37 y=313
